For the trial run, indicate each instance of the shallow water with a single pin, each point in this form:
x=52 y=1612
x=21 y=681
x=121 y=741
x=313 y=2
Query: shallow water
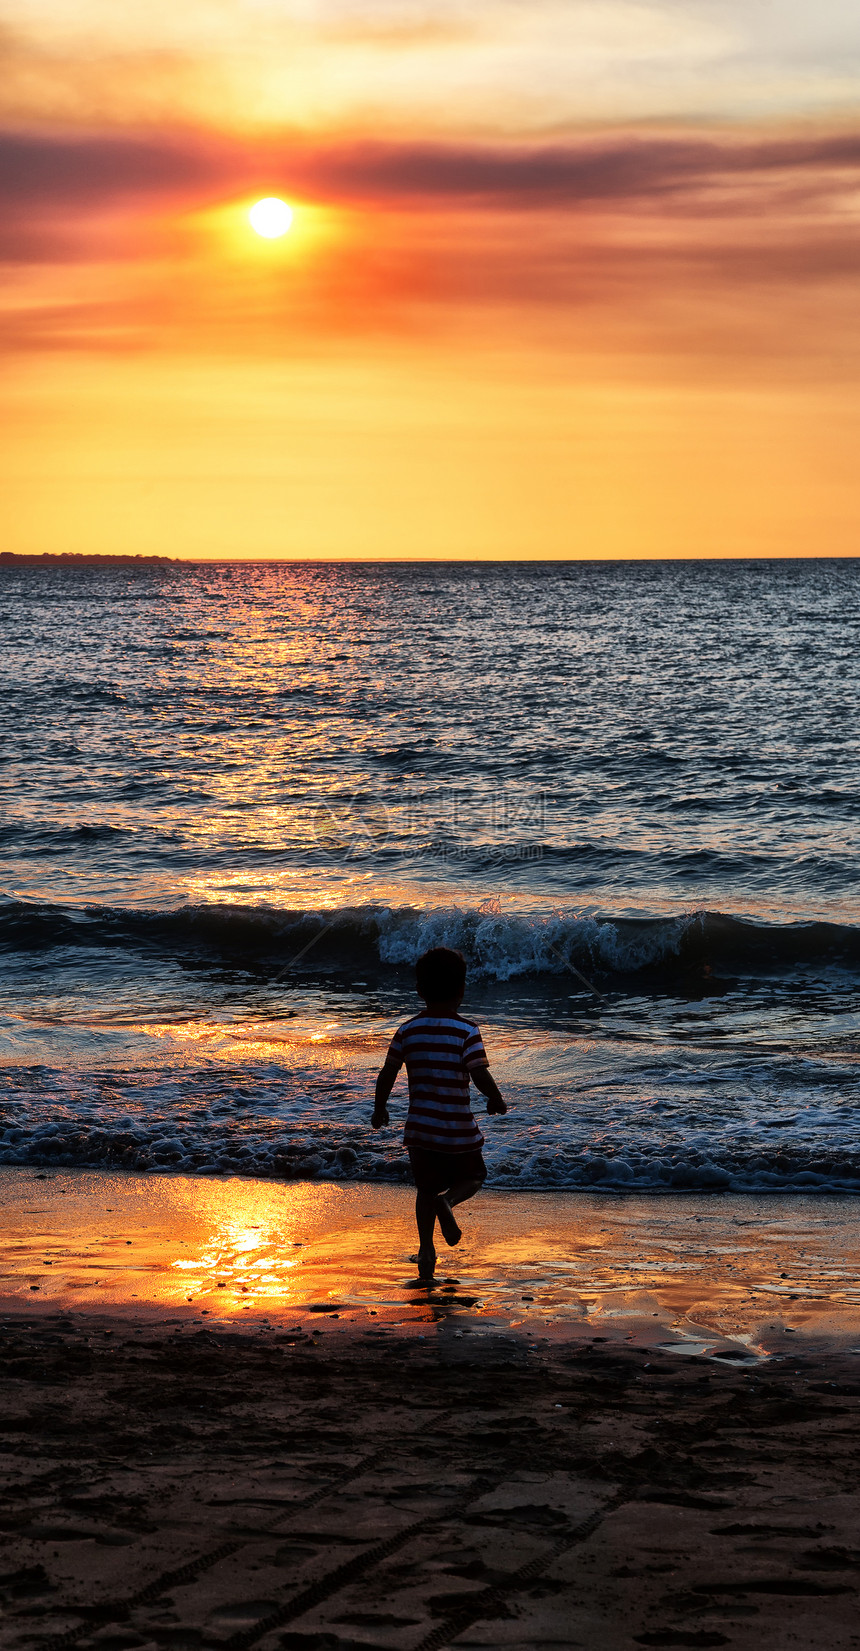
x=238 y=801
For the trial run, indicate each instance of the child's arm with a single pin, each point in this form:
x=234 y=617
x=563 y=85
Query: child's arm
x=483 y=1079
x=384 y=1086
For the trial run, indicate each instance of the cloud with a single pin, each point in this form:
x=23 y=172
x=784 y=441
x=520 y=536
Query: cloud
x=608 y=168
x=425 y=65
x=75 y=170
x=673 y=241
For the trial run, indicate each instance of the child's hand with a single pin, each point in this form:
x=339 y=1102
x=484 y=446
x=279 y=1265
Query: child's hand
x=380 y=1117
x=497 y=1105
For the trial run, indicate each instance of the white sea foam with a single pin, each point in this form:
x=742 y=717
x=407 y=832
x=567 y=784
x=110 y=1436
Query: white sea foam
x=262 y=1120
x=501 y=946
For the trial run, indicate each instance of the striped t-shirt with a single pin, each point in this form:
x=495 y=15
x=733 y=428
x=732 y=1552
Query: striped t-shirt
x=440 y=1051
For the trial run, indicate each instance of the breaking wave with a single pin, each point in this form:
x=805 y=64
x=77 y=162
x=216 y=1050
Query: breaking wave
x=498 y=946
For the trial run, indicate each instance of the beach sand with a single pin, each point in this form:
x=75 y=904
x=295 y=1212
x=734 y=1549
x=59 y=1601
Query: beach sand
x=231 y=1417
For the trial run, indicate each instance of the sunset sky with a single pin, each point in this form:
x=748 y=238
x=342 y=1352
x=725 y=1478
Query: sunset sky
x=565 y=278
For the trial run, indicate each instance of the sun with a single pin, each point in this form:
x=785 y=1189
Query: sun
x=271 y=217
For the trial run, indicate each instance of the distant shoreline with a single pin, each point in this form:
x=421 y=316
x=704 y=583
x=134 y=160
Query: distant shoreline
x=80 y=559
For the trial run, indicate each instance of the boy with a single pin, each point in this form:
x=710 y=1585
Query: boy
x=442 y=1052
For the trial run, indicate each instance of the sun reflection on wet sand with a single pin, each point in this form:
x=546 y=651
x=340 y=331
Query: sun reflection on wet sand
x=243 y=1261
x=737 y=1276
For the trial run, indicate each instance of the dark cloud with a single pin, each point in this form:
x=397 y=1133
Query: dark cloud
x=520 y=176
x=834 y=151
x=613 y=168
x=76 y=171
x=79 y=170
x=609 y=168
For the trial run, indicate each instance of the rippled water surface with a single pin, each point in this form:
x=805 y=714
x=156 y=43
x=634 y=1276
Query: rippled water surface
x=238 y=801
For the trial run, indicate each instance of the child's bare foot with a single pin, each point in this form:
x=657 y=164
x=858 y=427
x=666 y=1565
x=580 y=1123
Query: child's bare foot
x=447 y=1221
x=426 y=1262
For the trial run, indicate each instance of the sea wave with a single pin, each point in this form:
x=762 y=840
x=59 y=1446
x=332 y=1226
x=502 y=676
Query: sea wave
x=262 y=1147
x=498 y=945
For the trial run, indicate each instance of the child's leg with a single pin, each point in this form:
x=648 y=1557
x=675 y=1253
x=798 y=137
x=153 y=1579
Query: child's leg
x=461 y=1191
x=457 y=1194
x=425 y=1216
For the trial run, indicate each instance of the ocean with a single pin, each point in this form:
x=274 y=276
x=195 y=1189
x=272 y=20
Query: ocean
x=237 y=802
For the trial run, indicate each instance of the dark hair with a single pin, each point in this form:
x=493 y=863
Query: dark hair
x=440 y=974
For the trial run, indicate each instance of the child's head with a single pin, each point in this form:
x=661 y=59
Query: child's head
x=440 y=975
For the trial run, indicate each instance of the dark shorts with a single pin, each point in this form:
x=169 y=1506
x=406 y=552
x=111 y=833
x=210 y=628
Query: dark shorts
x=437 y=1171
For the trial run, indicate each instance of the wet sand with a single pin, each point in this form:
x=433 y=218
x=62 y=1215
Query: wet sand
x=749 y=1278
x=231 y=1417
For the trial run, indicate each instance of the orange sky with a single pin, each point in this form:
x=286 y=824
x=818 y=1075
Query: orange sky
x=565 y=278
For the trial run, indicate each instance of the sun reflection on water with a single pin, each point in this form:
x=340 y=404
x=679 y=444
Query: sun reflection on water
x=249 y=1255
x=275 y=1040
